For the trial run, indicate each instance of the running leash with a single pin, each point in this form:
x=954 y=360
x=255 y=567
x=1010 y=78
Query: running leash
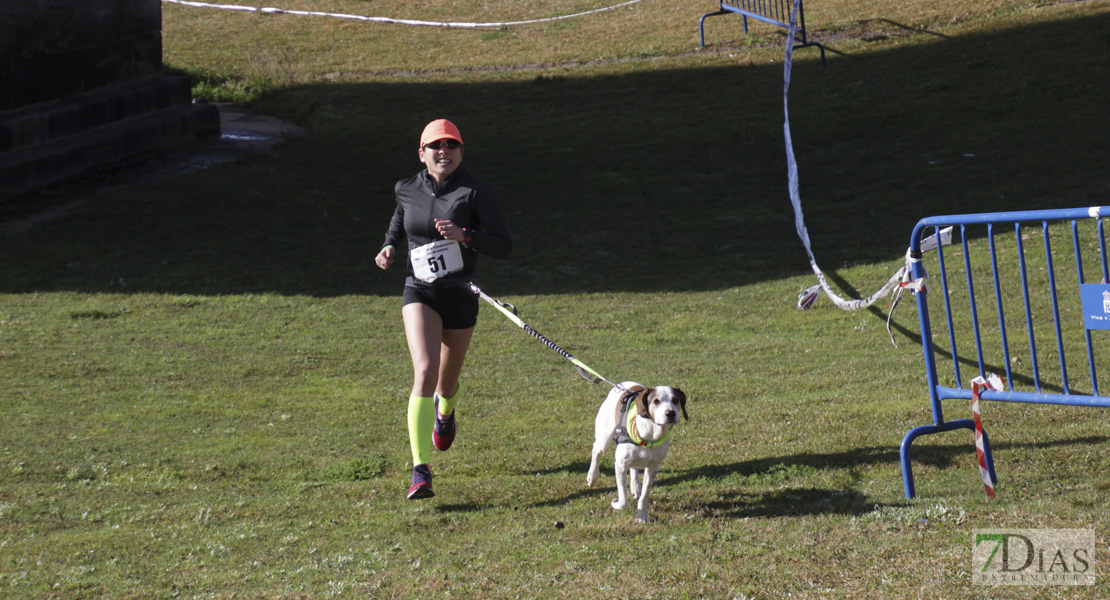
x=510 y=311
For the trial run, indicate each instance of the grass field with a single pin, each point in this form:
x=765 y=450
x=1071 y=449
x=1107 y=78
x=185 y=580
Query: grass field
x=203 y=380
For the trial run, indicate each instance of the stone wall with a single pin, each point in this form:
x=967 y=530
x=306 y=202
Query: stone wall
x=81 y=86
x=55 y=48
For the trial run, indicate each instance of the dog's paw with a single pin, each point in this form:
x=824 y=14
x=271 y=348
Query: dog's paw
x=641 y=518
x=593 y=472
x=618 y=505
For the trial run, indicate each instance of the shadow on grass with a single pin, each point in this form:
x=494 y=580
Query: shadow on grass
x=797 y=498
x=942 y=352
x=465 y=508
x=614 y=179
x=791 y=502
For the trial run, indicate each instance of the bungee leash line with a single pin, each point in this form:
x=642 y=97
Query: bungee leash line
x=510 y=311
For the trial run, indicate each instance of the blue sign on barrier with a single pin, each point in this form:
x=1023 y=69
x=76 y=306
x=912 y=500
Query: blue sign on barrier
x=1096 y=305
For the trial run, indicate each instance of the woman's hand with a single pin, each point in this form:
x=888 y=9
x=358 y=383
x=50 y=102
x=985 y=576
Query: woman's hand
x=384 y=258
x=450 y=231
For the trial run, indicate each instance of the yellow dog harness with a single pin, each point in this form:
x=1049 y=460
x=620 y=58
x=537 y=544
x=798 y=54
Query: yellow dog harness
x=625 y=432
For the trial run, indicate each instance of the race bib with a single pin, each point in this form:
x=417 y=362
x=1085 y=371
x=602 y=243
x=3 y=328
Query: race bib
x=434 y=260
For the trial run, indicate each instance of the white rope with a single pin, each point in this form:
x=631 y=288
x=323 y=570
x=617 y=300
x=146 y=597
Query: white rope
x=307 y=13
x=809 y=296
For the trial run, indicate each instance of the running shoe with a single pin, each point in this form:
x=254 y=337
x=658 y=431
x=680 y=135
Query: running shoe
x=421 y=483
x=443 y=435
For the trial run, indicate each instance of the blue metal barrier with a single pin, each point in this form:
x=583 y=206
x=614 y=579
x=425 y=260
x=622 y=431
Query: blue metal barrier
x=775 y=12
x=1071 y=309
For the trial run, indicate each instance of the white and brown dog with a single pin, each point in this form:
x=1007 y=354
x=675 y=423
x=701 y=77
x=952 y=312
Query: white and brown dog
x=639 y=420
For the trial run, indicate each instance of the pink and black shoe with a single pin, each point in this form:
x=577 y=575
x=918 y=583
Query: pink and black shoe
x=443 y=434
x=421 y=483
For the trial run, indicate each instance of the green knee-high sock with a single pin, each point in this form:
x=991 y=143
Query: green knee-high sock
x=422 y=414
x=447 y=405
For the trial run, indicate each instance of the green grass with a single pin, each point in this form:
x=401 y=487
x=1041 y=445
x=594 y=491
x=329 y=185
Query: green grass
x=202 y=380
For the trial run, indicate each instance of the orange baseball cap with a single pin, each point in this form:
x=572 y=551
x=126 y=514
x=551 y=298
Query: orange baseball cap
x=440 y=129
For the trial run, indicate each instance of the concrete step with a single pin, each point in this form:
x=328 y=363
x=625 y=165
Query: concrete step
x=41 y=123
x=150 y=125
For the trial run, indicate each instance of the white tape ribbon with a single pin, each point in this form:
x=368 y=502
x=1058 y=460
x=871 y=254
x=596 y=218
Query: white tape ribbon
x=991 y=382
x=930 y=243
x=282 y=11
x=809 y=296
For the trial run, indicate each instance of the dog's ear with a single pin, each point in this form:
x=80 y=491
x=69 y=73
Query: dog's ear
x=642 y=403
x=680 y=396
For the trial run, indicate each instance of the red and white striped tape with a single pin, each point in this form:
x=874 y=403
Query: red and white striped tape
x=994 y=383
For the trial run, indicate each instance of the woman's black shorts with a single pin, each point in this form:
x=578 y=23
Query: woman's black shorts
x=457 y=306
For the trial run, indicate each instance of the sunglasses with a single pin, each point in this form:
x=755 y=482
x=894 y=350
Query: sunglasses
x=449 y=144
